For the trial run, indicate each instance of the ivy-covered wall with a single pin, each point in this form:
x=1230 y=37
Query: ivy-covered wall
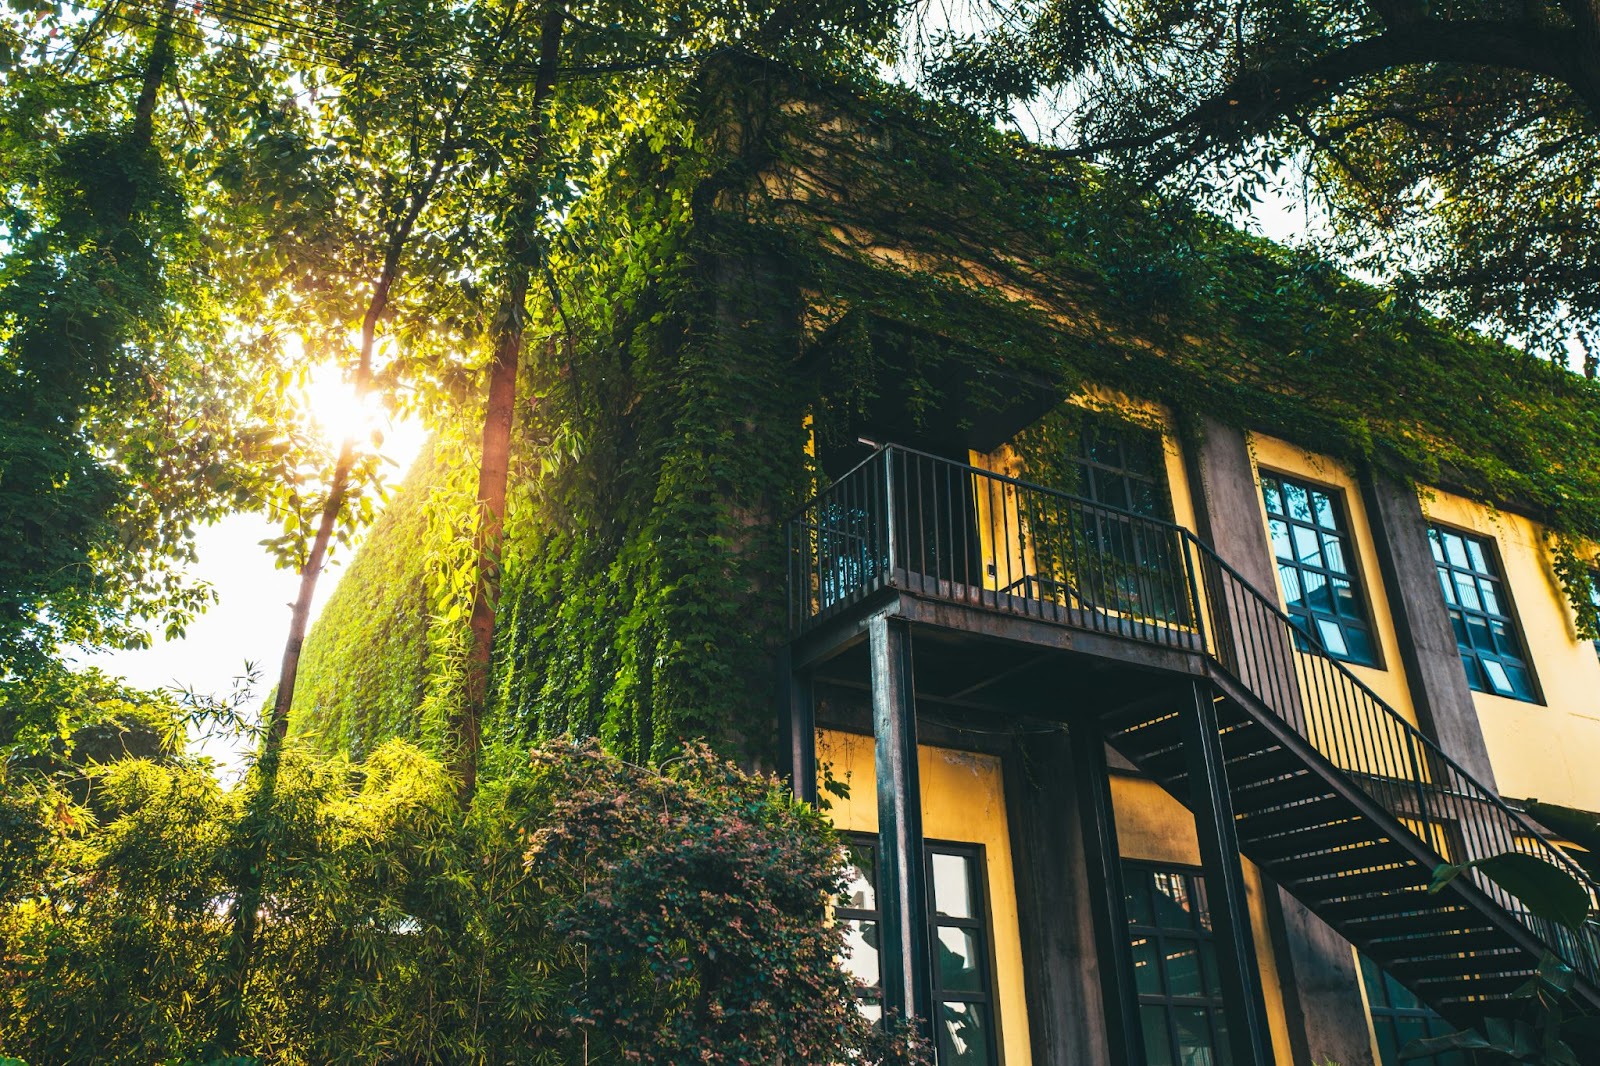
x=779 y=247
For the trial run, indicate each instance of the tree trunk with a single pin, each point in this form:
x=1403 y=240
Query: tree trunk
x=249 y=876
x=499 y=415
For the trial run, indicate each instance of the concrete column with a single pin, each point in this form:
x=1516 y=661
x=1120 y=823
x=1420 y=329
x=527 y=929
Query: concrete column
x=1428 y=654
x=1065 y=1020
x=1119 y=997
x=1327 y=1020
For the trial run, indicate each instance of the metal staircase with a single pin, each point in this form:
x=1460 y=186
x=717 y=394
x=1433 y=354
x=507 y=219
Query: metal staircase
x=1336 y=796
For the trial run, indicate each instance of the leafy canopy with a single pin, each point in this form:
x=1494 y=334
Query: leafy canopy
x=1450 y=147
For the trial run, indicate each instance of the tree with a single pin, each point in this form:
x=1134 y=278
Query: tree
x=117 y=434
x=1451 y=147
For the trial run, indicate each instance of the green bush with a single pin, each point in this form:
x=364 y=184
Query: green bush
x=585 y=910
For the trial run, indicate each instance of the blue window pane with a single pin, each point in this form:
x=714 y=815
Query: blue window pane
x=1333 y=553
x=1295 y=497
x=963 y=1032
x=1360 y=641
x=1157 y=1041
x=1146 y=967
x=1281 y=546
x=1184 y=977
x=1174 y=909
x=1332 y=638
x=1319 y=597
x=1292 y=594
x=1269 y=493
x=1323 y=506
x=1307 y=548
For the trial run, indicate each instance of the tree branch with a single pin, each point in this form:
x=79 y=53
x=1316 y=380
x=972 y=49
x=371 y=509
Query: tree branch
x=1260 y=96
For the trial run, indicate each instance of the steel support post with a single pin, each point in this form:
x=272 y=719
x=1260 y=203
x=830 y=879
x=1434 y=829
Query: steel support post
x=1212 y=804
x=902 y=879
x=797 y=729
x=1107 y=901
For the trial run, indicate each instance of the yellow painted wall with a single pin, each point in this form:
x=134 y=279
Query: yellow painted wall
x=1549 y=752
x=1154 y=827
x=962 y=802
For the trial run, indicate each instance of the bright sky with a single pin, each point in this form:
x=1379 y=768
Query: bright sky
x=251 y=617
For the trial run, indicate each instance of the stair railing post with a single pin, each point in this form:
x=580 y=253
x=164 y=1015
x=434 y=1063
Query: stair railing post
x=1212 y=804
x=891 y=547
x=1190 y=561
x=902 y=875
x=1107 y=898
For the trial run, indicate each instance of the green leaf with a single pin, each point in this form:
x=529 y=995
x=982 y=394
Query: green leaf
x=1461 y=1040
x=1544 y=888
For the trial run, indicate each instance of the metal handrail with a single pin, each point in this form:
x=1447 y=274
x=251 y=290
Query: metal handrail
x=947 y=530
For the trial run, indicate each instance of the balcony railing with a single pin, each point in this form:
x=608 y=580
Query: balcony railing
x=925 y=525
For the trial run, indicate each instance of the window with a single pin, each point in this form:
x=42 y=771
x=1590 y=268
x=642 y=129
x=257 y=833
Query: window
x=1398 y=1018
x=1316 y=567
x=1175 y=967
x=1121 y=465
x=964 y=1028
x=1101 y=557
x=1480 y=612
x=860 y=917
x=963 y=1010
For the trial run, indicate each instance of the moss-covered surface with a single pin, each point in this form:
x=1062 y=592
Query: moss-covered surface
x=747 y=236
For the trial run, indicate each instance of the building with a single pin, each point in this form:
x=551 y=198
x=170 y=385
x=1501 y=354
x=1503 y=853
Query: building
x=1169 y=606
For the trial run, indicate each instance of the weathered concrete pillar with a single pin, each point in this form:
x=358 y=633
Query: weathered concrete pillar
x=1066 y=1021
x=1428 y=654
x=904 y=949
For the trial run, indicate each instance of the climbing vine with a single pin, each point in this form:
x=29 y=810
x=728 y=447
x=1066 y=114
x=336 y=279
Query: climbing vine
x=775 y=248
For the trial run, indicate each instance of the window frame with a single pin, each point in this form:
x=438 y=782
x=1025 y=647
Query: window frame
x=1385 y=1017
x=1201 y=933
x=1090 y=469
x=982 y=923
x=1490 y=546
x=1355 y=574
x=1138 y=581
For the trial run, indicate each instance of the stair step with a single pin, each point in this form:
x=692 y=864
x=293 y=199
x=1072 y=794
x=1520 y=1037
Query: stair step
x=1474 y=943
x=1308 y=818
x=1345 y=861
x=1269 y=850
x=1406 y=903
x=1262 y=766
x=1342 y=886
x=1444 y=920
x=1474 y=987
x=1279 y=792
